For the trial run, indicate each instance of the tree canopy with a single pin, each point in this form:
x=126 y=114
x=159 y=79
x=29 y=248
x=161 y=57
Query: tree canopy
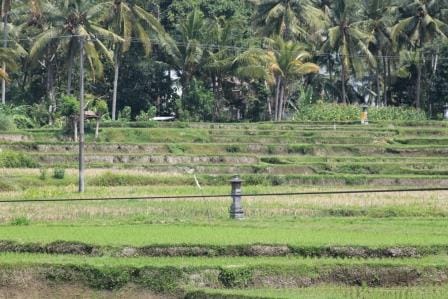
x=224 y=60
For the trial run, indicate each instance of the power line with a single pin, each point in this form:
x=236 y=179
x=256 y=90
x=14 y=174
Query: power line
x=222 y=195
x=219 y=47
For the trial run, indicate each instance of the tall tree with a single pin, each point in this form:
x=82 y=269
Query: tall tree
x=6 y=8
x=349 y=40
x=418 y=26
x=290 y=19
x=282 y=63
x=67 y=22
x=191 y=33
x=132 y=21
x=7 y=59
x=379 y=18
x=226 y=37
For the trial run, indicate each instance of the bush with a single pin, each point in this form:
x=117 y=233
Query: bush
x=197 y=104
x=58 y=173
x=146 y=116
x=43 y=174
x=6 y=123
x=10 y=159
x=69 y=106
x=176 y=149
x=322 y=111
x=235 y=277
x=125 y=114
x=233 y=148
x=22 y=220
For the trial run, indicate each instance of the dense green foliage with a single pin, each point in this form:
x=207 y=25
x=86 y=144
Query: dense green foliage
x=9 y=159
x=204 y=60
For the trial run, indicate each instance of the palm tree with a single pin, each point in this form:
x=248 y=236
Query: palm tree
x=379 y=17
x=225 y=35
x=418 y=27
x=67 y=22
x=281 y=64
x=129 y=20
x=349 y=41
x=7 y=59
x=6 y=8
x=290 y=19
x=192 y=32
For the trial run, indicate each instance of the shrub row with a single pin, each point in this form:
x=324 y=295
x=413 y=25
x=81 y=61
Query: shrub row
x=10 y=159
x=335 y=112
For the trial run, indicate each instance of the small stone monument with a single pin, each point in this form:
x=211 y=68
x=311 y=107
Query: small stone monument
x=236 y=209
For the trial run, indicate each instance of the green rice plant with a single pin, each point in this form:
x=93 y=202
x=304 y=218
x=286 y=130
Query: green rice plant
x=391 y=113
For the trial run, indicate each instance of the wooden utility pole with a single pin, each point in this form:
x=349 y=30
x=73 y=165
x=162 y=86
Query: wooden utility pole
x=81 y=116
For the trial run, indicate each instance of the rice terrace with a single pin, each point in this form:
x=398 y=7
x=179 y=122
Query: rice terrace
x=321 y=246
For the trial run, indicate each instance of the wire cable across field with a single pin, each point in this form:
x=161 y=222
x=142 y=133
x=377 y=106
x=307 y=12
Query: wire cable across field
x=169 y=197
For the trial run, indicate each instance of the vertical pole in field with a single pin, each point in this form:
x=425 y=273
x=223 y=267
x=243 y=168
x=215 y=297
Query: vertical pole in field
x=236 y=209
x=81 y=185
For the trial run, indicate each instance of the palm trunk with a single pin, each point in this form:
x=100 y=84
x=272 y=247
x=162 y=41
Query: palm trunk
x=343 y=76
x=385 y=83
x=378 y=85
x=330 y=72
x=97 y=127
x=269 y=103
x=75 y=129
x=282 y=101
x=389 y=82
x=70 y=74
x=277 y=98
x=81 y=118
x=5 y=45
x=215 y=96
x=116 y=72
x=418 y=86
x=51 y=91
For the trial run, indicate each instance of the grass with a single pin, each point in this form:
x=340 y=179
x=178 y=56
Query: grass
x=334 y=292
x=296 y=264
x=304 y=232
x=269 y=208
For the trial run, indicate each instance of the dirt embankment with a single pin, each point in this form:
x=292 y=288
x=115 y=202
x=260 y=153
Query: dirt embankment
x=78 y=248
